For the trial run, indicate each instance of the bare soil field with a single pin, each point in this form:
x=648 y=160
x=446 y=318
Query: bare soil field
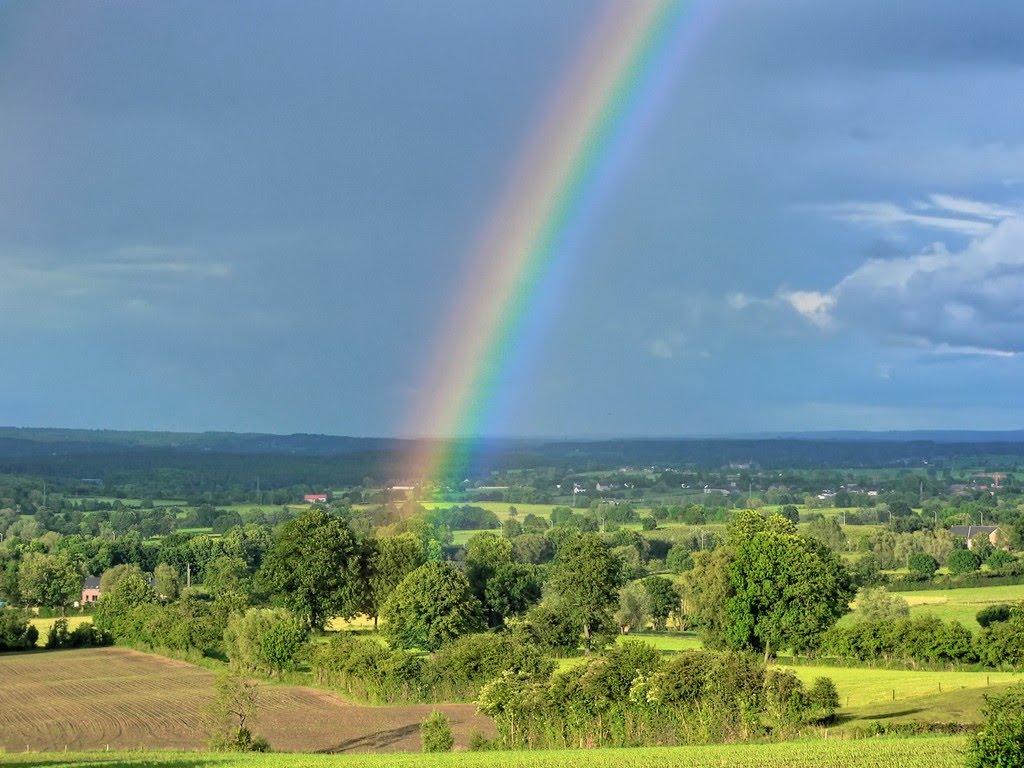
x=89 y=699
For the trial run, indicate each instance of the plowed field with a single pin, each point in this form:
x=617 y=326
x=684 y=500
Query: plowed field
x=93 y=698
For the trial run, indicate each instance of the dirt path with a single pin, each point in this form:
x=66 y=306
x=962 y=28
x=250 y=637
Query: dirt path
x=92 y=698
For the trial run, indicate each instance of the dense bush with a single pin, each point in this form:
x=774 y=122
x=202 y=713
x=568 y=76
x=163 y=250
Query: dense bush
x=632 y=696
x=930 y=640
x=16 y=631
x=85 y=635
x=1001 y=739
x=963 y=561
x=264 y=640
x=365 y=669
x=993 y=613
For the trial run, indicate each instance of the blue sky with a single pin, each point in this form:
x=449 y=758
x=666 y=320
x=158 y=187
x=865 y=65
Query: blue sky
x=256 y=221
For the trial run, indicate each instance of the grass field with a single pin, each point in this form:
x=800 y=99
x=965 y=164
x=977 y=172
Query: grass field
x=926 y=752
x=870 y=686
x=43 y=625
x=667 y=642
x=89 y=699
x=961 y=604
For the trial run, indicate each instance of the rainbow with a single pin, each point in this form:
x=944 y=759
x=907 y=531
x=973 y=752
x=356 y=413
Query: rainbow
x=568 y=168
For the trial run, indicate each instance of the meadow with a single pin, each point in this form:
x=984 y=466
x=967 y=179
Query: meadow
x=874 y=686
x=961 y=604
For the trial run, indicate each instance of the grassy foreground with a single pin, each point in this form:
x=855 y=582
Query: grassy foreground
x=926 y=752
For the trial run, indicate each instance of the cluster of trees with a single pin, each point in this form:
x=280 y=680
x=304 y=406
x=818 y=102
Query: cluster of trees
x=886 y=636
x=632 y=696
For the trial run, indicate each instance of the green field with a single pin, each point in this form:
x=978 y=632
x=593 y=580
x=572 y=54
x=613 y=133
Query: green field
x=926 y=752
x=961 y=604
x=871 y=686
x=667 y=642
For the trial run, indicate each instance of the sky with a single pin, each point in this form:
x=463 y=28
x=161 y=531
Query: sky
x=258 y=217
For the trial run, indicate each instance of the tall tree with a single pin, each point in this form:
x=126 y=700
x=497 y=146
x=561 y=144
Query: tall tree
x=392 y=558
x=586 y=576
x=787 y=589
x=49 y=580
x=314 y=568
x=432 y=605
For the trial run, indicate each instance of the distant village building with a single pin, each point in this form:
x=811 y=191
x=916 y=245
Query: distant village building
x=315 y=498
x=90 y=589
x=970 y=531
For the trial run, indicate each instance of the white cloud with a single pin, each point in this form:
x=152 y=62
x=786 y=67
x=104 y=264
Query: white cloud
x=969 y=207
x=812 y=305
x=966 y=302
x=890 y=216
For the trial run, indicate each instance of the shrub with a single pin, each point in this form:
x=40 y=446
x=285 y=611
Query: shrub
x=924 y=564
x=963 y=561
x=16 y=631
x=436 y=733
x=993 y=613
x=1001 y=739
x=1000 y=559
x=823 y=698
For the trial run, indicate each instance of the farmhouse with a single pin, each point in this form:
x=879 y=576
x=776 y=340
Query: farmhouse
x=970 y=531
x=315 y=498
x=90 y=589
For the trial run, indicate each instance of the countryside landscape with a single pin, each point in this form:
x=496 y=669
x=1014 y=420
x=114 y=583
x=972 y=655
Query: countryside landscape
x=561 y=601
x=627 y=383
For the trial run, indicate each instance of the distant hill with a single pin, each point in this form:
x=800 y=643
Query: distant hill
x=199 y=462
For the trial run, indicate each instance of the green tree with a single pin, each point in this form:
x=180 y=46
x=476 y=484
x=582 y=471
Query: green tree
x=315 y=568
x=634 y=609
x=485 y=553
x=962 y=561
x=392 y=559
x=679 y=559
x=431 y=606
x=16 y=631
x=48 y=580
x=117 y=609
x=226 y=574
x=923 y=564
x=264 y=640
x=829 y=532
x=586 y=576
x=165 y=581
x=704 y=591
x=512 y=589
x=663 y=597
x=110 y=578
x=787 y=589
x=876 y=604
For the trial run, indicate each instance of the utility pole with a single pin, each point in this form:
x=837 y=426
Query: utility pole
x=188 y=575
